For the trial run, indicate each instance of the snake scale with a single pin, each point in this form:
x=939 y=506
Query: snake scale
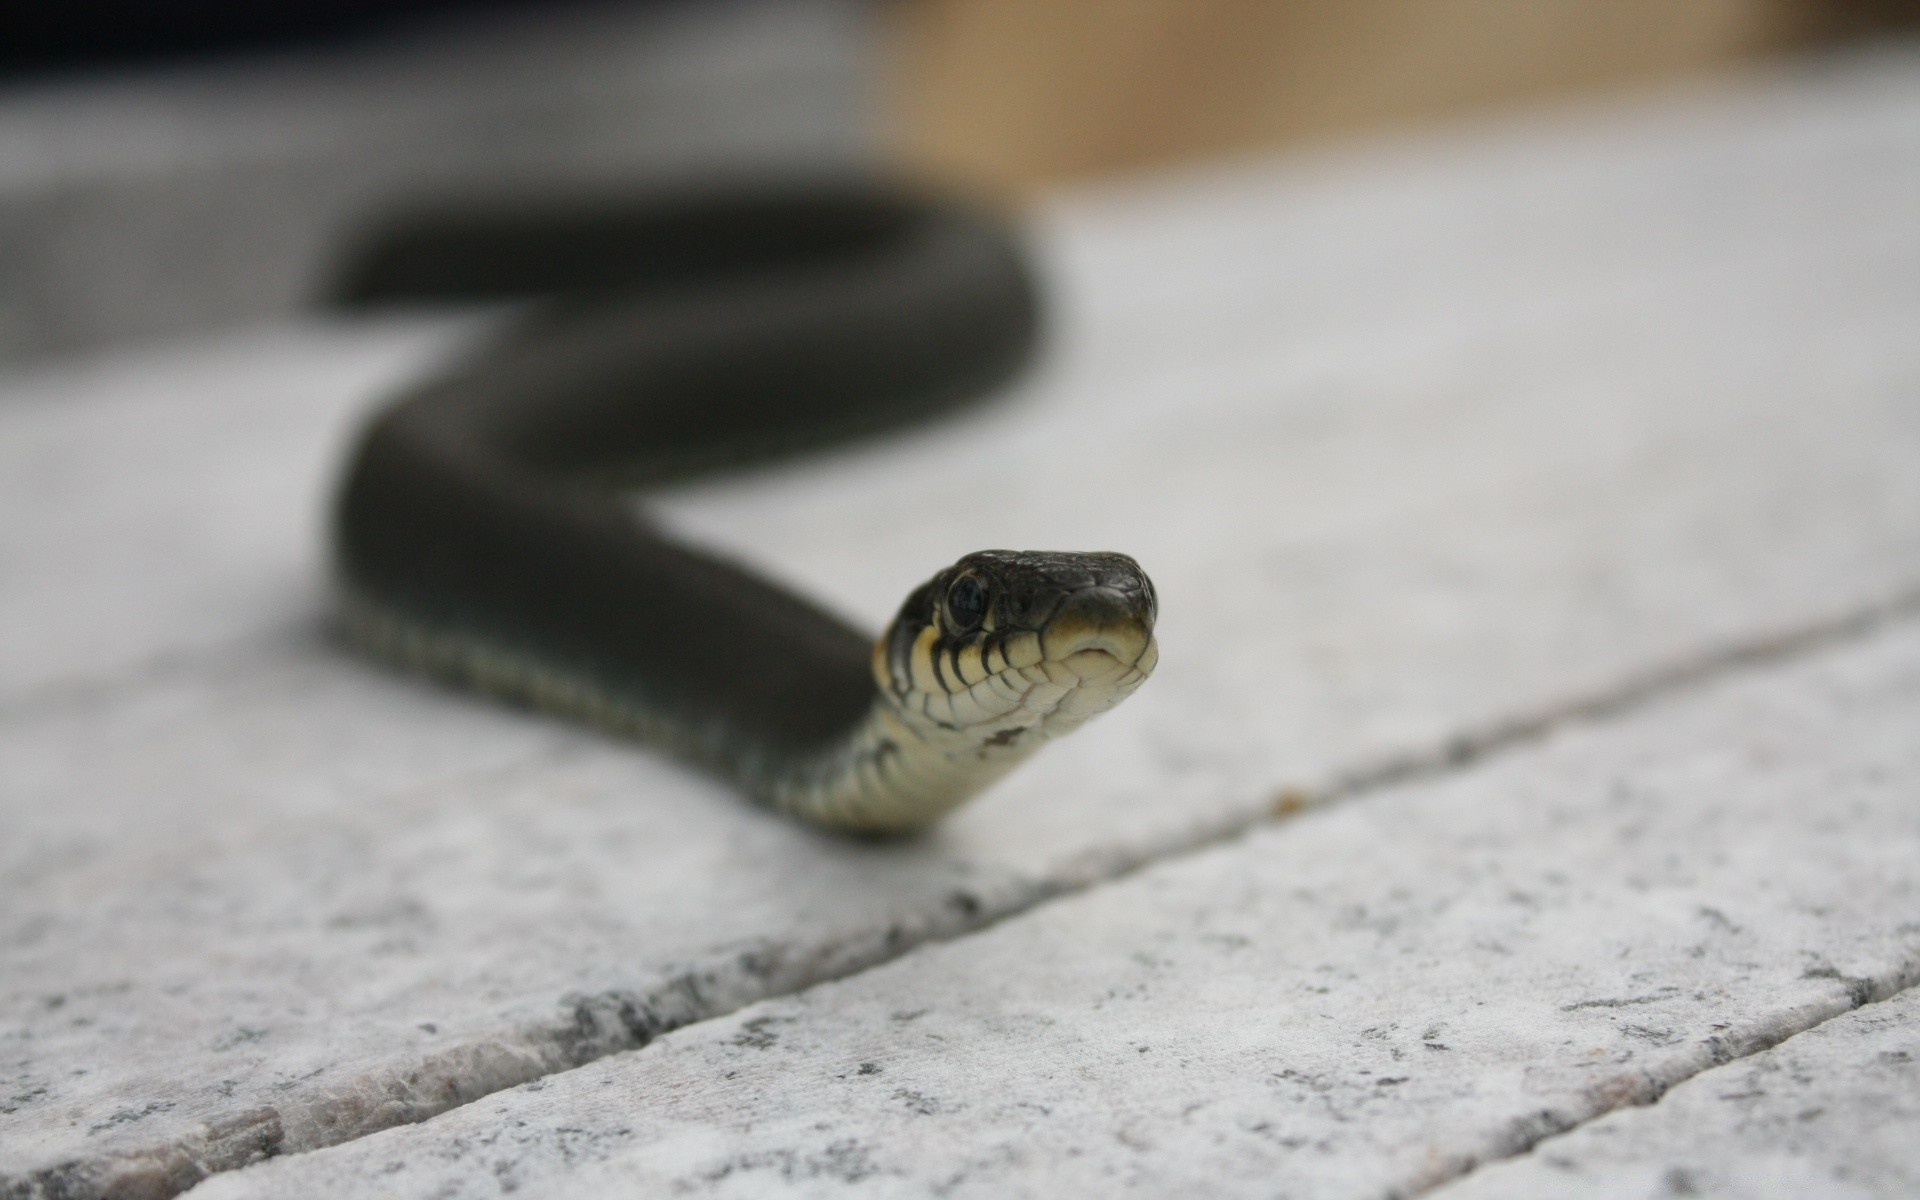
x=484 y=531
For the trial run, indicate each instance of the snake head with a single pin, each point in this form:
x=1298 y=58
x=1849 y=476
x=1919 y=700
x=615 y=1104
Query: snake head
x=1006 y=648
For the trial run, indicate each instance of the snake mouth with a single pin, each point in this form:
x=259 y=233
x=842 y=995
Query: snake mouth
x=1113 y=656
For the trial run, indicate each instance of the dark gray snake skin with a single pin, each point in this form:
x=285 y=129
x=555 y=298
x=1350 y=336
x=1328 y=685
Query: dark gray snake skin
x=484 y=531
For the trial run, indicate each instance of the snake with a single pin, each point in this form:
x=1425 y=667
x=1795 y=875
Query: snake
x=490 y=526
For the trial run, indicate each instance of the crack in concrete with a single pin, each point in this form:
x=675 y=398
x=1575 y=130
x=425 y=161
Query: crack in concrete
x=1722 y=1050
x=589 y=1027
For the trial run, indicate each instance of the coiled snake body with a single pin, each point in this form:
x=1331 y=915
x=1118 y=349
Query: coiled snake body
x=479 y=534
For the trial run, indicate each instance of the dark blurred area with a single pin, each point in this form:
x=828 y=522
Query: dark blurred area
x=77 y=35
x=169 y=168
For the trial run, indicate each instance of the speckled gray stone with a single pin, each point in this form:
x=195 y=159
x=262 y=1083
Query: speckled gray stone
x=1363 y=1002
x=146 y=204
x=1833 y=1112
x=1424 y=446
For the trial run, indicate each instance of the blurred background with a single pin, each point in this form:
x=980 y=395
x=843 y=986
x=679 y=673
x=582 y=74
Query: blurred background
x=183 y=166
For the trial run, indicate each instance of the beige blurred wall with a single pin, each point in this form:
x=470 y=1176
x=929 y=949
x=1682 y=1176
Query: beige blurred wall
x=1017 y=94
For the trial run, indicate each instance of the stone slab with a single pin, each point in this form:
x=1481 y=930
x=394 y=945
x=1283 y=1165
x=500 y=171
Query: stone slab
x=258 y=897
x=1366 y=1001
x=1831 y=1112
x=138 y=205
x=166 y=506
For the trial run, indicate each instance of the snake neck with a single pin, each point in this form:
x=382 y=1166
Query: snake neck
x=891 y=775
x=921 y=752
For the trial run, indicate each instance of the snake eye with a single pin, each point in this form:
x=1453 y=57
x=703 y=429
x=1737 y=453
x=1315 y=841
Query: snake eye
x=967 y=603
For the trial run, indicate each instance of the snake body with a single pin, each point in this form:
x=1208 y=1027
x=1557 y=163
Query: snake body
x=483 y=532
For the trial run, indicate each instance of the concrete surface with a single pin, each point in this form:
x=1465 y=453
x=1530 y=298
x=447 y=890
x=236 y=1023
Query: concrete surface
x=1429 y=448
x=1831 y=1112
x=1365 y=1001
